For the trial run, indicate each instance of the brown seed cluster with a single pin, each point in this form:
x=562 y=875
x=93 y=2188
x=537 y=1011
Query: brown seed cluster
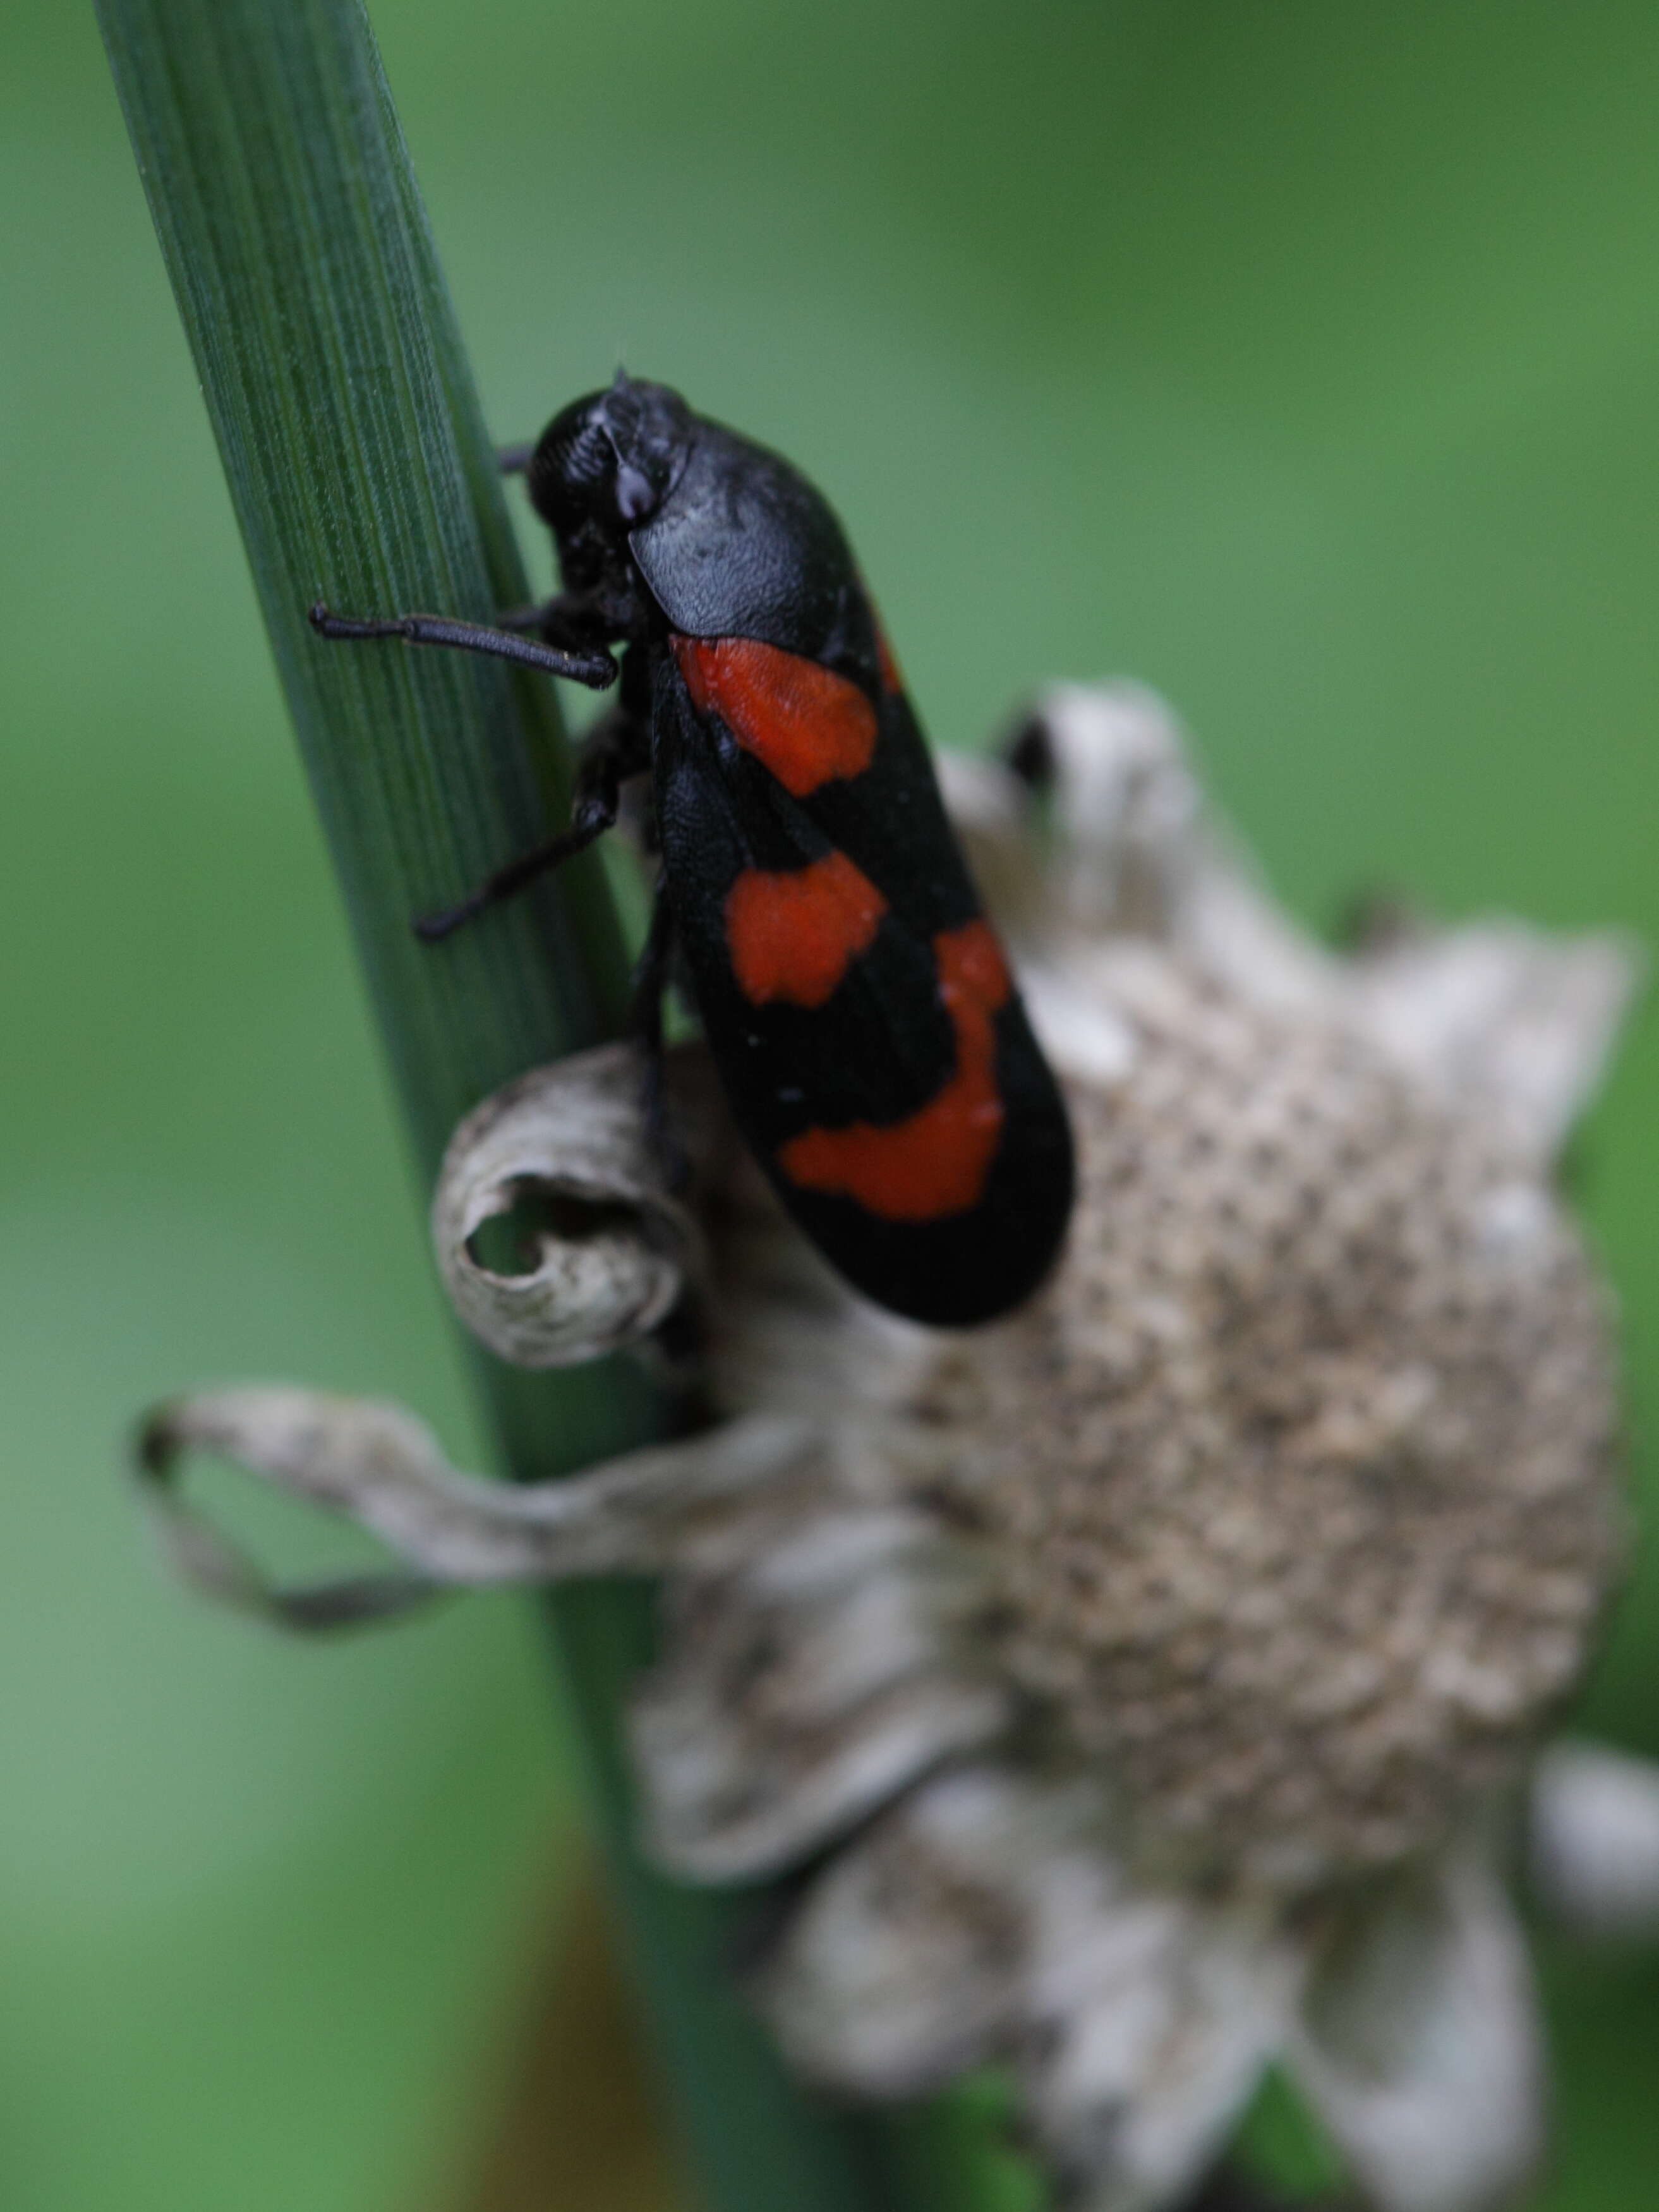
x=1297 y=1484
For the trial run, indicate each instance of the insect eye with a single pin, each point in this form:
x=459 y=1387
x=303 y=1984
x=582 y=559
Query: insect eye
x=635 y=499
x=1030 y=754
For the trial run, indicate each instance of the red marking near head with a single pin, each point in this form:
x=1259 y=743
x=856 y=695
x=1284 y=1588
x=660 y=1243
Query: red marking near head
x=793 y=934
x=935 y=1161
x=805 y=723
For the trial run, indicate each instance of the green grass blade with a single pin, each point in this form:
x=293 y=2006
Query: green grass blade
x=361 y=473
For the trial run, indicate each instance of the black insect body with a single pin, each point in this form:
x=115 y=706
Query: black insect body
x=872 y=1043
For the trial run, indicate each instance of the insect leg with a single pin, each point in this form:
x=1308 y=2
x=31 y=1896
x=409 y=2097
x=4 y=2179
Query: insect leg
x=578 y=622
x=618 y=749
x=651 y=972
x=645 y=1020
x=513 y=460
x=596 y=669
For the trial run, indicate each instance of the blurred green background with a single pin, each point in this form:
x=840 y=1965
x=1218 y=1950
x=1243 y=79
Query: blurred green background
x=1301 y=361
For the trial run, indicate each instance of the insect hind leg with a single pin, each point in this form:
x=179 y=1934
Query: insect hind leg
x=651 y=978
x=618 y=749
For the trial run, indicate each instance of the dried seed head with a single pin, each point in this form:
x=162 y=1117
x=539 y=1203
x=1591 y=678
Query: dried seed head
x=1096 y=1656
x=1294 y=1490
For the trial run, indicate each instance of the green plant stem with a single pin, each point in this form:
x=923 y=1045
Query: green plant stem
x=361 y=474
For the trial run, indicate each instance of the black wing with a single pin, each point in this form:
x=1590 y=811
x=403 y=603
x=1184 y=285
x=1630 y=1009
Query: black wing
x=875 y=1053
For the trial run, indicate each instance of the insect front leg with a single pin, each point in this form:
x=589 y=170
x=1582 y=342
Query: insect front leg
x=577 y=622
x=590 y=664
x=618 y=749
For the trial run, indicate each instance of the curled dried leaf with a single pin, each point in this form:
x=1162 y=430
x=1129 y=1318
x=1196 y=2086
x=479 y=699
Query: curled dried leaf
x=608 y=1252
x=1518 y=1021
x=1594 y=1840
x=1418 y=2044
x=325 y=1448
x=377 y=1465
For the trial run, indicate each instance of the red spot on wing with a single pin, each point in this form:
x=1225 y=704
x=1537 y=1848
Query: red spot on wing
x=805 y=723
x=793 y=934
x=935 y=1161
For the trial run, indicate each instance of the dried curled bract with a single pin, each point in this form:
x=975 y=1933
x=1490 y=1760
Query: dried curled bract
x=1140 y=1674
x=613 y=1253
